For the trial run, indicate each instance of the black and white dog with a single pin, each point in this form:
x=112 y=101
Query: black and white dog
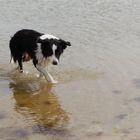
x=41 y=48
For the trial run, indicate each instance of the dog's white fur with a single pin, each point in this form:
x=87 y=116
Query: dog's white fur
x=48 y=36
x=41 y=48
x=43 y=63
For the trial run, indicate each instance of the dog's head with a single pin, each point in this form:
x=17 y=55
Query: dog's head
x=52 y=47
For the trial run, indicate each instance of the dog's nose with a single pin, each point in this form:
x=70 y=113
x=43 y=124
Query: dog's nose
x=55 y=62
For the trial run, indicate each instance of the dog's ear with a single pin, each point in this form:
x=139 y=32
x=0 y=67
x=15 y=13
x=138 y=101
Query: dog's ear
x=68 y=43
x=64 y=43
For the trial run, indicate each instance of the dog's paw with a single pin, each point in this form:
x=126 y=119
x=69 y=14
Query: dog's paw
x=54 y=82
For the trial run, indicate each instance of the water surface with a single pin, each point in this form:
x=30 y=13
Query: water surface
x=98 y=94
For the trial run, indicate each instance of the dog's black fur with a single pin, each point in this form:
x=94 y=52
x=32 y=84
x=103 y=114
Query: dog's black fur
x=25 y=43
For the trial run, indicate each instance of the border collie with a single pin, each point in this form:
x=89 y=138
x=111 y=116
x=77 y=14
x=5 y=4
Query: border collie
x=41 y=48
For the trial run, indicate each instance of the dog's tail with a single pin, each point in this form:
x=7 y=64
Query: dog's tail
x=12 y=51
x=11 y=59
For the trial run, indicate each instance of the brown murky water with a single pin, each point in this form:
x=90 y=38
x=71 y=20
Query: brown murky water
x=98 y=94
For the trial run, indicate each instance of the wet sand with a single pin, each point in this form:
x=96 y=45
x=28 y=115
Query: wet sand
x=98 y=94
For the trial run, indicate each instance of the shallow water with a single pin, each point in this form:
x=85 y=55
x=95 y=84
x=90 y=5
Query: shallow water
x=98 y=94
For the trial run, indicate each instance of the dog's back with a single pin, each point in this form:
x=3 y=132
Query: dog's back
x=41 y=48
x=23 y=43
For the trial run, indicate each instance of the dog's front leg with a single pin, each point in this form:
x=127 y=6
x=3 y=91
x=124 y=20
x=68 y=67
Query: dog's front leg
x=47 y=75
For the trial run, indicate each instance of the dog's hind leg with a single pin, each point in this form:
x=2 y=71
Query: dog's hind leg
x=20 y=64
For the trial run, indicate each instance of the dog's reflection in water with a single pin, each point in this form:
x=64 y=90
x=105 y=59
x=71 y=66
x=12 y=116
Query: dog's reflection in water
x=36 y=101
